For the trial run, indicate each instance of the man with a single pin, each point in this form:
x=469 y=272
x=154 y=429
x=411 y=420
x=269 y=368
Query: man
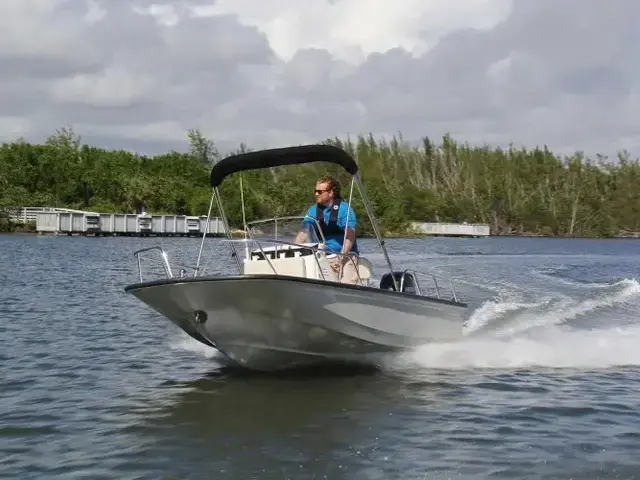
x=331 y=212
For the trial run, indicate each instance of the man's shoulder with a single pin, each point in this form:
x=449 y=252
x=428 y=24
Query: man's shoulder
x=312 y=211
x=344 y=207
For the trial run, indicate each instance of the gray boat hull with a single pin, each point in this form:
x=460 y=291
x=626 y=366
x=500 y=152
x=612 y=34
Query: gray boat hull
x=268 y=322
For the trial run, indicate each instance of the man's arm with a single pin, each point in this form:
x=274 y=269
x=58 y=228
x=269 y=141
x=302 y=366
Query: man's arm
x=350 y=230
x=351 y=238
x=307 y=222
x=302 y=236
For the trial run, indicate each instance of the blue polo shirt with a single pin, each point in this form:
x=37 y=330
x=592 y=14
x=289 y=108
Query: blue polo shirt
x=334 y=242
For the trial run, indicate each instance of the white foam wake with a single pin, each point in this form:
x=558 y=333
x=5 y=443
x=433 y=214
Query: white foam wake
x=554 y=348
x=537 y=334
x=186 y=343
x=546 y=311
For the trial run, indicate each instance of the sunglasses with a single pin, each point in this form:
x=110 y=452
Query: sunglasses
x=318 y=192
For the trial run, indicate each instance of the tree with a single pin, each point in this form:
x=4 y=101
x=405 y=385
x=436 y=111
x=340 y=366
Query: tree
x=202 y=148
x=516 y=191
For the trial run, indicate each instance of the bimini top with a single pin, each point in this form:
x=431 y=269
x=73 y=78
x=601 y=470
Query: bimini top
x=281 y=156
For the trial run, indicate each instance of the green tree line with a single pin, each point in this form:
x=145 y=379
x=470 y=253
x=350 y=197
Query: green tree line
x=515 y=191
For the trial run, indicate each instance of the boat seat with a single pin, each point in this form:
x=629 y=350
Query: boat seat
x=365 y=269
x=292 y=266
x=317 y=266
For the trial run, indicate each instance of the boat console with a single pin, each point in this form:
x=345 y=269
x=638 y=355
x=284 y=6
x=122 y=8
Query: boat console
x=308 y=260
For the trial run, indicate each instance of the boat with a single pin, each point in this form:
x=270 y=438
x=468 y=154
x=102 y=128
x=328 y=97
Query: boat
x=284 y=306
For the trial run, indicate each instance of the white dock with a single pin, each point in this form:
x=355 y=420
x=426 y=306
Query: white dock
x=453 y=229
x=64 y=221
x=57 y=221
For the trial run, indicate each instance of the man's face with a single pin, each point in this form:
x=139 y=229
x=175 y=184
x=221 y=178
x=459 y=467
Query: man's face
x=323 y=194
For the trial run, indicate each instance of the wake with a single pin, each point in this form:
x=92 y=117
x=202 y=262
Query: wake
x=555 y=332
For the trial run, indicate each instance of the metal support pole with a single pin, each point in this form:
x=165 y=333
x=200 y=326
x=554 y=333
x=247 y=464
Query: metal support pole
x=374 y=225
x=204 y=235
x=226 y=226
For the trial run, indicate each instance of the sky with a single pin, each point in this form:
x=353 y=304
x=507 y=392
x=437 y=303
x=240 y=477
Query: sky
x=137 y=75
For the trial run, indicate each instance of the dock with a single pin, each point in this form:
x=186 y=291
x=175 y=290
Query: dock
x=62 y=221
x=65 y=221
x=441 y=229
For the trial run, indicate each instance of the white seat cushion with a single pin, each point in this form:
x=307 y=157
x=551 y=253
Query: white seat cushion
x=293 y=266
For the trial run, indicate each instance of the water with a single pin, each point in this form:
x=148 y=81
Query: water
x=93 y=384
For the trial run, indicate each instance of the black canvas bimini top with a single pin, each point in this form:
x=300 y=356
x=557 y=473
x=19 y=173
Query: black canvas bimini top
x=281 y=156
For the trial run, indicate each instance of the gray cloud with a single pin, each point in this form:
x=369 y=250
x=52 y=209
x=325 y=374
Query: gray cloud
x=560 y=72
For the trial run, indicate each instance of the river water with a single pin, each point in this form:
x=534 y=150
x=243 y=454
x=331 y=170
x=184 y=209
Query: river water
x=93 y=384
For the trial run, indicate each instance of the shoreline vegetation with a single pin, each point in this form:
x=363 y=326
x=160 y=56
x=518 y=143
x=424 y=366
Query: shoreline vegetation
x=518 y=192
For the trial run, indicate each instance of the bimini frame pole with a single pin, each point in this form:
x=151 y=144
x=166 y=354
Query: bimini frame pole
x=226 y=227
x=344 y=239
x=204 y=235
x=374 y=225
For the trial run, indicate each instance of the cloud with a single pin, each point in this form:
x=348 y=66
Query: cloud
x=138 y=74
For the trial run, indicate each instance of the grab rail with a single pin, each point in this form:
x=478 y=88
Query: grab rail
x=164 y=260
x=416 y=273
